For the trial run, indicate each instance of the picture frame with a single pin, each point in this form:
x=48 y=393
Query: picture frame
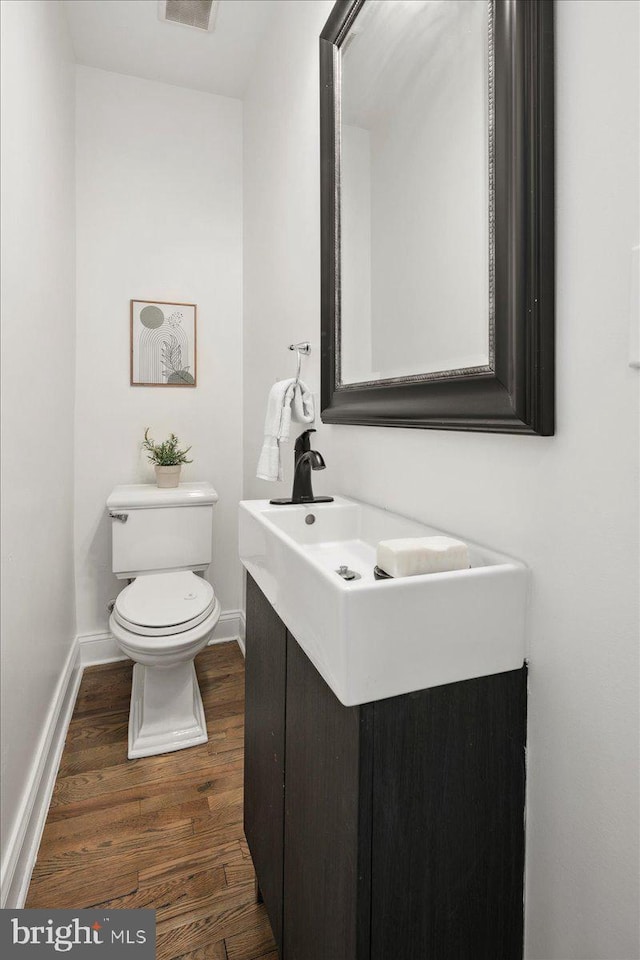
x=163 y=344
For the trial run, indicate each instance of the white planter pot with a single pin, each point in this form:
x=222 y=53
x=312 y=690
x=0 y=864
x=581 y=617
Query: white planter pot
x=168 y=476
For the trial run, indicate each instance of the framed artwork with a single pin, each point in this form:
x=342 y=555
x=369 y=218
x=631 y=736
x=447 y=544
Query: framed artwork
x=163 y=344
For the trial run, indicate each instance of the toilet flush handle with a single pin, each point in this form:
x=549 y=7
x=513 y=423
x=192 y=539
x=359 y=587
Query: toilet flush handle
x=122 y=517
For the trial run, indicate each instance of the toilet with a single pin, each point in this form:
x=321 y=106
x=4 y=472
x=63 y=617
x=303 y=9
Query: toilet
x=161 y=541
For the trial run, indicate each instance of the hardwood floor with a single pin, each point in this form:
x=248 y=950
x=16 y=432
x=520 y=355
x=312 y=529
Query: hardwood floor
x=160 y=832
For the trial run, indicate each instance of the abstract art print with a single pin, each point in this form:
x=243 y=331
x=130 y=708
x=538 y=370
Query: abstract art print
x=163 y=344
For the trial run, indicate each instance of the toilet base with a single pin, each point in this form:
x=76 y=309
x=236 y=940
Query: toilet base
x=166 y=711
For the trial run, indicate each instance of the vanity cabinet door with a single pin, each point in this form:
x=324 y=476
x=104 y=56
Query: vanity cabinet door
x=265 y=673
x=448 y=822
x=327 y=819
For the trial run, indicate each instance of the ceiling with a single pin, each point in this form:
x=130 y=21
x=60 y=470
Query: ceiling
x=126 y=36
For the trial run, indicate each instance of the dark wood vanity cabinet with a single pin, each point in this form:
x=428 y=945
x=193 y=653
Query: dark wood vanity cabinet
x=265 y=674
x=388 y=831
x=327 y=834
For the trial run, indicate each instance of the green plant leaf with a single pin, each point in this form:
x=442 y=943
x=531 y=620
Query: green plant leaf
x=167 y=453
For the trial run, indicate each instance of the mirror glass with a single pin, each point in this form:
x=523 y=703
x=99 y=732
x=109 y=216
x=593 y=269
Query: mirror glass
x=416 y=204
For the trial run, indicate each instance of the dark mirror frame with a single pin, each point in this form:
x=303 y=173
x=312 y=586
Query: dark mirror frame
x=516 y=394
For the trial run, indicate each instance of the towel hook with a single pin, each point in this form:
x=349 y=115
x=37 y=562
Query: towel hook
x=304 y=347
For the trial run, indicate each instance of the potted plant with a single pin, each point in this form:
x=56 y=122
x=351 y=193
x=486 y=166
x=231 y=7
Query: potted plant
x=167 y=459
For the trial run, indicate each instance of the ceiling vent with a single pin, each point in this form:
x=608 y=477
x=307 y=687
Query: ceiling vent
x=200 y=14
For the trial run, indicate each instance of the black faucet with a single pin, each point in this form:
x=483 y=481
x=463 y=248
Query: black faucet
x=305 y=460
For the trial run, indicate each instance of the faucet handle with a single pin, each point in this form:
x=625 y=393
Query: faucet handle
x=303 y=444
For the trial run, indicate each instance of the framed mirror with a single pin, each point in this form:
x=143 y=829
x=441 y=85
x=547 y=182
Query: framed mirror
x=437 y=155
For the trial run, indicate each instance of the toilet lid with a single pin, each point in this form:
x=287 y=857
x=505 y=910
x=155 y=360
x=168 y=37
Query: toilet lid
x=161 y=600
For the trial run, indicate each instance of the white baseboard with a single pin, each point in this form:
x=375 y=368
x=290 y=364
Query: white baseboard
x=242 y=633
x=98 y=648
x=19 y=855
x=22 y=849
x=230 y=626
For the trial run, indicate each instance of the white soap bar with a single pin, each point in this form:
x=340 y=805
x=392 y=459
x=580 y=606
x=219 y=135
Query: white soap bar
x=415 y=555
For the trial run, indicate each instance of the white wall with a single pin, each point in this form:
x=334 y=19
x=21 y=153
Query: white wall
x=159 y=216
x=567 y=505
x=38 y=331
x=281 y=249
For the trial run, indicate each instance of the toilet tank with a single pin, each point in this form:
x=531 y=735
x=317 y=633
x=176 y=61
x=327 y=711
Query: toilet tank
x=154 y=529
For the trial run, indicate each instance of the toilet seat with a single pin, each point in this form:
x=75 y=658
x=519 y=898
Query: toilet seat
x=173 y=646
x=164 y=604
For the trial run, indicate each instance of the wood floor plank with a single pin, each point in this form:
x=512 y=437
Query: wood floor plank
x=67 y=853
x=224 y=821
x=97 y=731
x=251 y=943
x=227 y=904
x=234 y=913
x=219 y=800
x=225 y=724
x=90 y=830
x=152 y=773
x=159 y=849
x=173 y=897
x=165 y=853
x=223 y=743
x=92 y=758
x=229 y=689
x=215 y=710
x=213 y=951
x=73 y=804
x=80 y=887
x=57 y=828
x=239 y=871
x=202 y=896
x=160 y=832
x=224 y=853
x=106 y=693
x=219 y=666
x=195 y=791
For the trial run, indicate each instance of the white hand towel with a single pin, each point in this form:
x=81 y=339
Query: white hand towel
x=288 y=400
x=303 y=410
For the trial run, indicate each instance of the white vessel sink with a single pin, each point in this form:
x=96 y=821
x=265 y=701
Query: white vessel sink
x=369 y=638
